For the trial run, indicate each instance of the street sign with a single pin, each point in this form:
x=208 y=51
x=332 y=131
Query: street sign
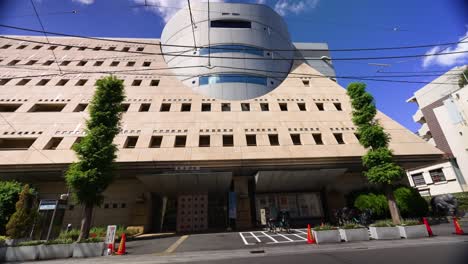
x=263 y=216
x=110 y=234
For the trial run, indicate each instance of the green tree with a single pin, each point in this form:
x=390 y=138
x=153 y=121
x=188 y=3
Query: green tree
x=378 y=161
x=89 y=177
x=9 y=193
x=20 y=223
x=463 y=80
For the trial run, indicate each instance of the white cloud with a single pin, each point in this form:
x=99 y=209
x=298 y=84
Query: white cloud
x=85 y=2
x=449 y=59
x=283 y=7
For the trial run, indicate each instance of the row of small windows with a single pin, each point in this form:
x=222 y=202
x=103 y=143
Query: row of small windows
x=79 y=63
x=63 y=82
x=81 y=48
x=436 y=176
x=165 y=107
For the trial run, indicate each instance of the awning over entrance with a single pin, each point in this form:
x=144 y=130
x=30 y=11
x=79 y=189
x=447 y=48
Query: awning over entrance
x=284 y=181
x=179 y=183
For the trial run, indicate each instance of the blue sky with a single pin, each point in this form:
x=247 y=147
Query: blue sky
x=340 y=23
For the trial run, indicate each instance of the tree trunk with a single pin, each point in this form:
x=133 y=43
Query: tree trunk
x=392 y=206
x=86 y=222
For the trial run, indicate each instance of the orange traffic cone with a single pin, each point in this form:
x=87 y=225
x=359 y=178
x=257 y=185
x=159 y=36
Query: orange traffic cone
x=310 y=236
x=428 y=227
x=122 y=250
x=458 y=229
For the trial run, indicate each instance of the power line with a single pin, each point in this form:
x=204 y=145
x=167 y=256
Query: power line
x=188 y=46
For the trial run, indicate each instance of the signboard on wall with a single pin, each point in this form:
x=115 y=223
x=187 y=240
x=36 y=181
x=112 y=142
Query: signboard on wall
x=110 y=234
x=232 y=205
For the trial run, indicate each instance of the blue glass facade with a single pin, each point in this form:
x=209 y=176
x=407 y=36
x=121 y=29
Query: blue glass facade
x=232 y=78
x=231 y=48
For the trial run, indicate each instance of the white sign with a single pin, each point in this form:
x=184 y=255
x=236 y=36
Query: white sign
x=263 y=216
x=110 y=235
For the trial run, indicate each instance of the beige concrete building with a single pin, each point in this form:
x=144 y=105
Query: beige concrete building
x=184 y=152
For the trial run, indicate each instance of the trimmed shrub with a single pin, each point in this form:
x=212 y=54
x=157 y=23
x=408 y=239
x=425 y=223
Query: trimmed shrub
x=72 y=235
x=377 y=203
x=383 y=223
x=9 y=193
x=410 y=202
x=20 y=223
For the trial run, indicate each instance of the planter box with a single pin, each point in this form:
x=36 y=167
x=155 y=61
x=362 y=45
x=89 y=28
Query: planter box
x=23 y=253
x=87 y=250
x=327 y=236
x=358 y=234
x=2 y=254
x=56 y=251
x=416 y=231
x=384 y=232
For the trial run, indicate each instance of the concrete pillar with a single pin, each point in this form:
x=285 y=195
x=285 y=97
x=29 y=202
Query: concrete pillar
x=241 y=187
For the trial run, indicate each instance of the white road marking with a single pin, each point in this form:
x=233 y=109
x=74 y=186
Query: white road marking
x=286 y=237
x=243 y=239
x=258 y=240
x=274 y=240
x=264 y=237
x=304 y=239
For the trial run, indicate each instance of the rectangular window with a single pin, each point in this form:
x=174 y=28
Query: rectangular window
x=251 y=140
x=140 y=48
x=245 y=107
x=47 y=108
x=53 y=143
x=306 y=83
x=185 y=107
x=37 y=47
x=204 y=141
x=77 y=141
x=6 y=108
x=131 y=142
x=146 y=64
x=111 y=48
x=125 y=107
x=62 y=82
x=48 y=63
x=65 y=63
x=273 y=138
x=136 y=83
x=231 y=24
x=225 y=107
x=283 y=106
x=82 y=48
x=206 y=107
x=31 y=62
x=82 y=63
x=144 y=107
x=339 y=138
x=155 y=141
x=21 y=47
x=16 y=143
x=99 y=63
x=302 y=106
x=130 y=64
x=81 y=82
x=437 y=175
x=418 y=179
x=4 y=81
x=125 y=49
x=13 y=62
x=97 y=48
x=43 y=82
x=228 y=140
x=23 y=82
x=154 y=83
x=320 y=106
x=318 y=139
x=6 y=46
x=114 y=63
x=67 y=48
x=338 y=106
x=80 y=107
x=296 y=139
x=264 y=107
x=52 y=47
x=180 y=141
x=165 y=108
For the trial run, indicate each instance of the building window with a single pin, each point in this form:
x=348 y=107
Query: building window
x=155 y=141
x=320 y=106
x=4 y=81
x=82 y=48
x=302 y=106
x=43 y=82
x=82 y=63
x=13 y=62
x=245 y=107
x=98 y=63
x=140 y=48
x=52 y=47
x=67 y=48
x=48 y=63
x=180 y=141
x=146 y=64
x=230 y=49
x=338 y=106
x=37 y=47
x=339 y=138
x=144 y=108
x=204 y=141
x=205 y=107
x=185 y=107
x=16 y=143
x=125 y=107
x=273 y=138
x=62 y=82
x=47 y=108
x=225 y=107
x=23 y=82
x=296 y=139
x=264 y=107
x=228 y=140
x=6 y=108
x=251 y=140
x=318 y=139
x=232 y=78
x=77 y=141
x=125 y=49
x=154 y=83
x=111 y=48
x=418 y=179
x=283 y=106
x=6 y=46
x=80 y=107
x=131 y=142
x=437 y=175
x=306 y=83
x=53 y=143
x=114 y=63
x=65 y=63
x=31 y=62
x=165 y=108
x=81 y=82
x=97 y=48
x=130 y=64
x=21 y=47
x=231 y=24
x=136 y=83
